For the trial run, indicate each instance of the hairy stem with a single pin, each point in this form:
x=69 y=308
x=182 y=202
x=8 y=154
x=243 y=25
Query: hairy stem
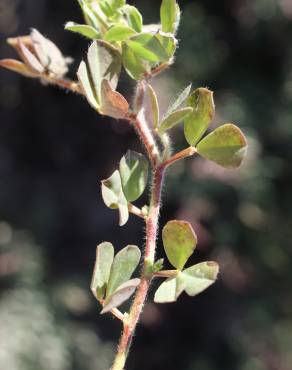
x=149 y=256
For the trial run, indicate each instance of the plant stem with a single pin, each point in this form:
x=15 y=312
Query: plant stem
x=149 y=256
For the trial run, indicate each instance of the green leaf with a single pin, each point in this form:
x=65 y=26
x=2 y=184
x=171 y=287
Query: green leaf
x=170 y=290
x=104 y=62
x=113 y=104
x=119 y=33
x=225 y=146
x=134 y=175
x=174 y=118
x=121 y=295
x=169 y=15
x=125 y=263
x=204 y=109
x=199 y=277
x=134 y=17
x=154 y=105
x=102 y=268
x=193 y=280
x=89 y=15
x=179 y=241
x=147 y=46
x=113 y=196
x=169 y=43
x=134 y=65
x=179 y=101
x=83 y=29
x=86 y=83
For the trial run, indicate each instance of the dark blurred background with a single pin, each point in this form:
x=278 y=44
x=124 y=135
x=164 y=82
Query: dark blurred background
x=54 y=150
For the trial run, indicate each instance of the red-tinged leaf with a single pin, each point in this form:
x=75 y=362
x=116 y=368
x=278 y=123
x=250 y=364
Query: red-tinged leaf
x=113 y=104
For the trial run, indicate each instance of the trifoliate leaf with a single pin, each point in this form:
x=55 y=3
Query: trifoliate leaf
x=179 y=240
x=102 y=268
x=196 y=124
x=225 y=146
x=121 y=295
x=83 y=29
x=113 y=196
x=125 y=263
x=193 y=280
x=134 y=175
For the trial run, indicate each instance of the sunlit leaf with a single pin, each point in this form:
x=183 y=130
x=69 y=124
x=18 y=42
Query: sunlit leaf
x=179 y=240
x=102 y=268
x=169 y=44
x=83 y=29
x=134 y=17
x=104 y=62
x=113 y=196
x=193 y=280
x=119 y=33
x=147 y=46
x=170 y=290
x=174 y=118
x=88 y=13
x=113 y=104
x=201 y=100
x=121 y=295
x=134 y=175
x=169 y=15
x=85 y=79
x=225 y=146
x=181 y=99
x=125 y=263
x=134 y=65
x=199 y=277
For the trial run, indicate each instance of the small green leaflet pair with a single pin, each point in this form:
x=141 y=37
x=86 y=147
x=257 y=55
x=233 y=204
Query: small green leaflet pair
x=111 y=282
x=225 y=146
x=180 y=240
x=126 y=184
x=141 y=48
